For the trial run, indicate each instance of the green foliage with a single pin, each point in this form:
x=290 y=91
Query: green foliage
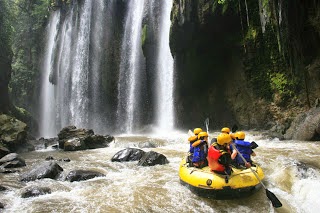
x=144 y=35
x=281 y=84
x=225 y=5
x=30 y=18
x=251 y=33
x=5 y=27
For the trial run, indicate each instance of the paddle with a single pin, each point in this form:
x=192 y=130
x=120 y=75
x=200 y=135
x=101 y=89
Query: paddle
x=274 y=200
x=206 y=122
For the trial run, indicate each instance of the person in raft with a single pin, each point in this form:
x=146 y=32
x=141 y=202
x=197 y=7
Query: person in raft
x=245 y=149
x=225 y=130
x=200 y=150
x=219 y=155
x=191 y=140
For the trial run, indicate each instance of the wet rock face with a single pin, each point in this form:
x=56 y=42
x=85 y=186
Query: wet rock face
x=152 y=158
x=305 y=127
x=73 y=139
x=47 y=169
x=81 y=175
x=145 y=158
x=12 y=160
x=129 y=154
x=35 y=191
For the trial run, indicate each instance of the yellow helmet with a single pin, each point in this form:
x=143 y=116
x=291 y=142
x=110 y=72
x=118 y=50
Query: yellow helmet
x=196 y=131
x=202 y=134
x=225 y=130
x=240 y=135
x=223 y=139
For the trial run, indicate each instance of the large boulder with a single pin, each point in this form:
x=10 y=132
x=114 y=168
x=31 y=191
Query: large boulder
x=47 y=169
x=35 y=191
x=73 y=139
x=305 y=127
x=13 y=133
x=129 y=154
x=12 y=160
x=80 y=175
x=152 y=158
x=71 y=132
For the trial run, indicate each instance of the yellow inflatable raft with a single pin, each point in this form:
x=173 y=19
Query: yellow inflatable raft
x=241 y=183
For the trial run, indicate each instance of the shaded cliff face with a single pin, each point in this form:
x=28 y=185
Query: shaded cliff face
x=225 y=65
x=5 y=67
x=207 y=52
x=5 y=59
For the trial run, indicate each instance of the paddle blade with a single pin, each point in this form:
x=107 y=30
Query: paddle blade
x=190 y=133
x=206 y=123
x=274 y=200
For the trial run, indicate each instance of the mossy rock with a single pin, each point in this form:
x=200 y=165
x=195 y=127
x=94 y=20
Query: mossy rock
x=12 y=131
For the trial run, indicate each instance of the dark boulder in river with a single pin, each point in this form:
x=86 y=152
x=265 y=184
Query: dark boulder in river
x=152 y=158
x=129 y=154
x=35 y=191
x=80 y=175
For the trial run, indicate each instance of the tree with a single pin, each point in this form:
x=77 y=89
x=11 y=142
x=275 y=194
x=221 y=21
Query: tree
x=5 y=56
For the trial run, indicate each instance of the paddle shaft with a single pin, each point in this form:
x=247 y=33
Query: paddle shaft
x=244 y=160
x=207 y=126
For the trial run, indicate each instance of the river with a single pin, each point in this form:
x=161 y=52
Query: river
x=291 y=172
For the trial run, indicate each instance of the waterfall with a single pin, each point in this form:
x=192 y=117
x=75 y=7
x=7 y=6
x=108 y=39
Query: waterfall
x=47 y=114
x=165 y=76
x=79 y=102
x=130 y=67
x=98 y=69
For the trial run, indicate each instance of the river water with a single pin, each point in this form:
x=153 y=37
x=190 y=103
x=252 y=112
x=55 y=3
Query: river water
x=292 y=173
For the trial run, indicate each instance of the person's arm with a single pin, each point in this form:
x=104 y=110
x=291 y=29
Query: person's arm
x=234 y=154
x=196 y=143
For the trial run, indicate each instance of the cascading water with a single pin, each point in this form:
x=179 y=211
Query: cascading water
x=165 y=113
x=47 y=124
x=130 y=67
x=99 y=72
x=79 y=103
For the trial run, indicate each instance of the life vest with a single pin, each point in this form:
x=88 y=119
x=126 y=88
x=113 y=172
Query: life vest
x=199 y=151
x=193 y=138
x=218 y=158
x=244 y=147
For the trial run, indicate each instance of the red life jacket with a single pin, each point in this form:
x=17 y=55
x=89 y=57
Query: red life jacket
x=213 y=158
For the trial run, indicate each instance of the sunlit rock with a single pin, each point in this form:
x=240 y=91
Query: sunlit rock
x=73 y=139
x=305 y=126
x=12 y=160
x=47 y=169
x=13 y=133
